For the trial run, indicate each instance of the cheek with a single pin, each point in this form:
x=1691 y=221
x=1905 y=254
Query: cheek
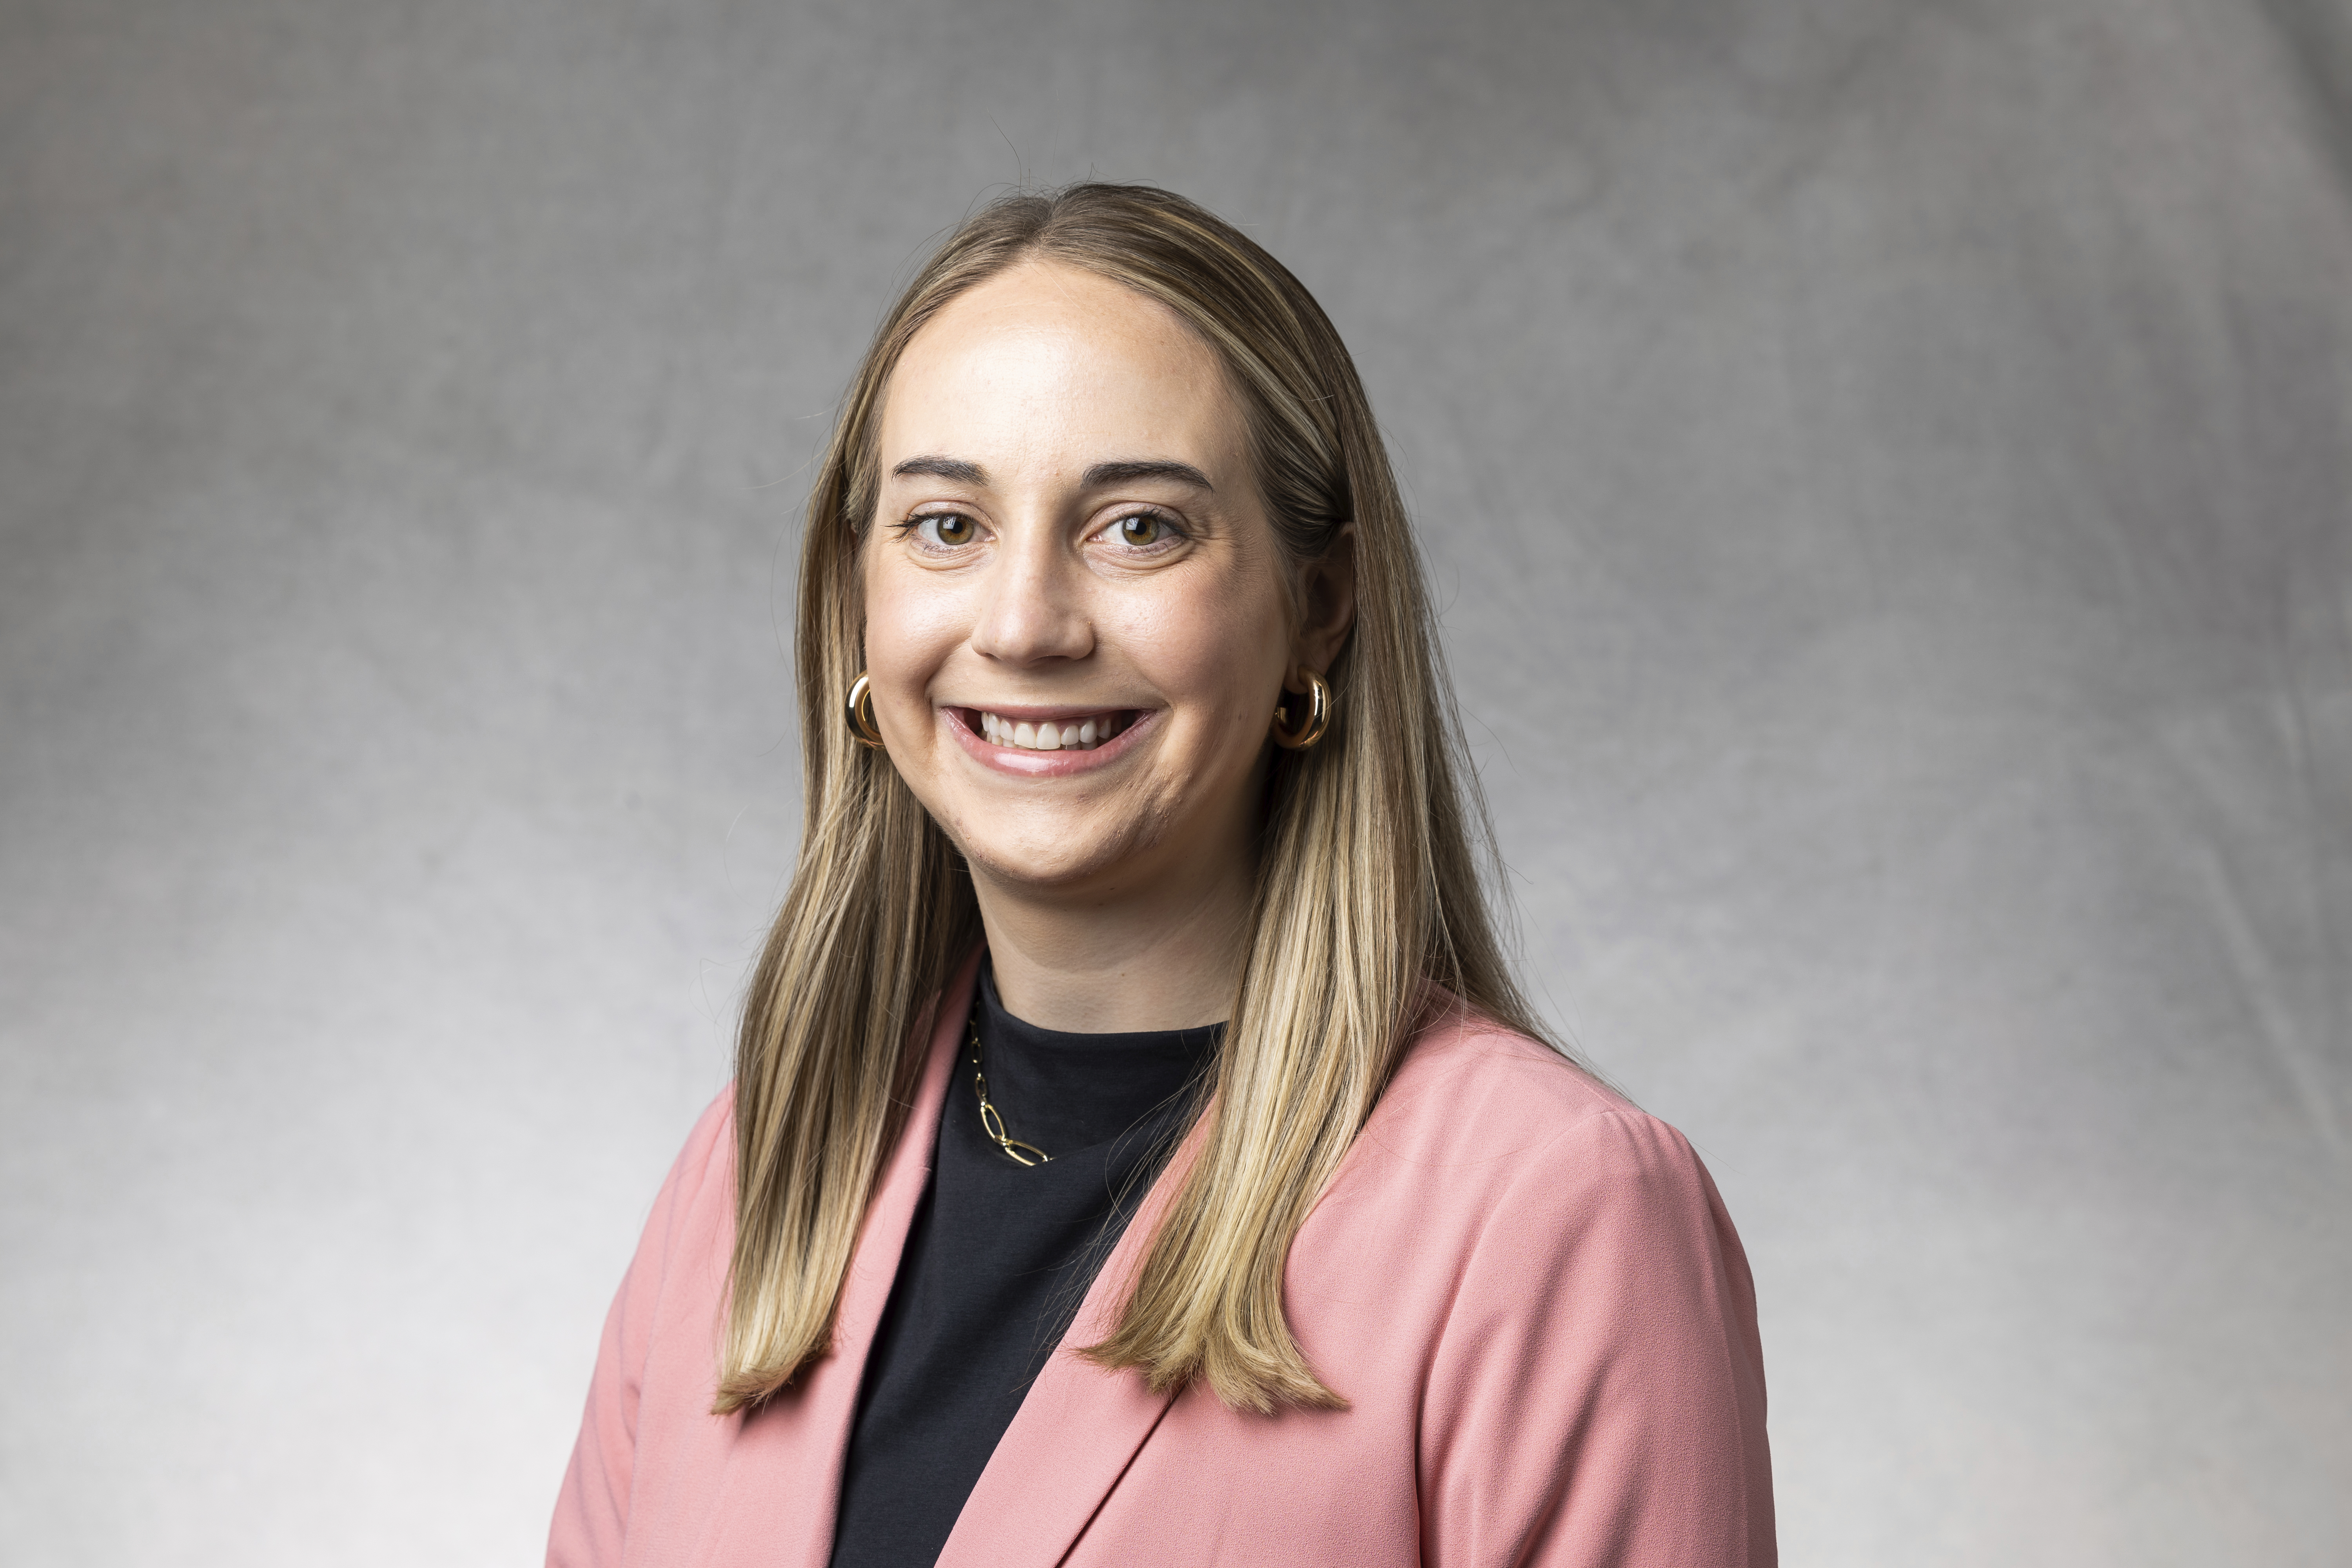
x=1219 y=648
x=911 y=622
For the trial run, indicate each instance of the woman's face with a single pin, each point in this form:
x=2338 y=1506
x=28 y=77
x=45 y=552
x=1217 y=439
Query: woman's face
x=1075 y=622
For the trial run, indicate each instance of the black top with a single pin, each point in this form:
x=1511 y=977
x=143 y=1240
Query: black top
x=997 y=1261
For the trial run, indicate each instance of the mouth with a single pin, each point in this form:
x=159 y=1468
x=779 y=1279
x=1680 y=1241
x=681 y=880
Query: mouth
x=1047 y=743
x=1033 y=730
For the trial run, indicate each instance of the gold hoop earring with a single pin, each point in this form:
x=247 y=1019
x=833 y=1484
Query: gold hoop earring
x=860 y=709
x=1318 y=714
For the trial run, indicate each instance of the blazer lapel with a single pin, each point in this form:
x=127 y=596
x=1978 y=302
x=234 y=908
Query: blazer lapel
x=790 y=1453
x=1078 y=1428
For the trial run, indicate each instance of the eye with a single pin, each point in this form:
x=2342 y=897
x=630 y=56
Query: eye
x=1143 y=530
x=944 y=528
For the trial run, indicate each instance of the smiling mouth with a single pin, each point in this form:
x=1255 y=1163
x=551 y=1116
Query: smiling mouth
x=1078 y=733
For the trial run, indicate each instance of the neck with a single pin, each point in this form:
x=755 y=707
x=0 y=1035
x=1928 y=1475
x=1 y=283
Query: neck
x=1164 y=958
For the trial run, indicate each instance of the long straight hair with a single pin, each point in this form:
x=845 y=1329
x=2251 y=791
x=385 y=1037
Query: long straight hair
x=1370 y=892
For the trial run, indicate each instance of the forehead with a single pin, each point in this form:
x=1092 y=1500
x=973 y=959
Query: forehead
x=1047 y=363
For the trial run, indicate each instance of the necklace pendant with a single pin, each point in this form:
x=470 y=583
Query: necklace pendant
x=991 y=1123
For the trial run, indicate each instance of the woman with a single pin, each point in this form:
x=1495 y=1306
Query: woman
x=1139 y=1152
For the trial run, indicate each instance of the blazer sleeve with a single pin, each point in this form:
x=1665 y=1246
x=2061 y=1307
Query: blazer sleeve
x=592 y=1512
x=1597 y=1395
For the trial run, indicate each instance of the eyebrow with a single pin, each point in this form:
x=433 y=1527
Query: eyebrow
x=954 y=469
x=963 y=472
x=1147 y=468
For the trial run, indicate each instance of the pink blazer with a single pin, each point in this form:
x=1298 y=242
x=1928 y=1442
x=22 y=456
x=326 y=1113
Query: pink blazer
x=1527 y=1291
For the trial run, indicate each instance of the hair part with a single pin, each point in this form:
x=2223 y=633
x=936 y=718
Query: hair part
x=1370 y=889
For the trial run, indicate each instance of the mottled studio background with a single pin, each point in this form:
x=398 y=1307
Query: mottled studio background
x=1886 y=466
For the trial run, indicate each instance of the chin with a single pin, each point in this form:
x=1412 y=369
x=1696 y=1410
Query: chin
x=1051 y=858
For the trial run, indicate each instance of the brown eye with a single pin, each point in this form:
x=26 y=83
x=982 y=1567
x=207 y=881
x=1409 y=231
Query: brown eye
x=1142 y=529
x=947 y=528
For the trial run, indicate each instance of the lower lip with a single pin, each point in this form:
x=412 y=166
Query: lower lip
x=1044 y=764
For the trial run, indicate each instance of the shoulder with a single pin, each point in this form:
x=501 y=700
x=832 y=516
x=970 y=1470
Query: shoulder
x=1461 y=1058
x=708 y=1159
x=695 y=1206
x=1468 y=1090
x=1496 y=1140
x=1519 y=1224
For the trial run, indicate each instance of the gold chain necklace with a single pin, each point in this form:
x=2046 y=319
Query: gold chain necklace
x=990 y=1122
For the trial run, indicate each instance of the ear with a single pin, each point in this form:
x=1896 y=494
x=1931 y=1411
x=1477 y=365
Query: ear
x=1327 y=603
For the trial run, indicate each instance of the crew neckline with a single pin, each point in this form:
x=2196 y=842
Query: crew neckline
x=1064 y=1091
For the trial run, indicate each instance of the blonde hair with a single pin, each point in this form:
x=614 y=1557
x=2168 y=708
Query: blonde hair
x=1369 y=891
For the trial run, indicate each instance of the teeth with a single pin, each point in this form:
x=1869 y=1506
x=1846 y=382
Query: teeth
x=1081 y=735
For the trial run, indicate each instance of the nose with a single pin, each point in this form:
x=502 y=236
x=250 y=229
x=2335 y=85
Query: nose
x=1033 y=609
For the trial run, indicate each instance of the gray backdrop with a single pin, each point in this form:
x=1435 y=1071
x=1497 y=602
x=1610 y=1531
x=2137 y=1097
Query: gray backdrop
x=1885 y=467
